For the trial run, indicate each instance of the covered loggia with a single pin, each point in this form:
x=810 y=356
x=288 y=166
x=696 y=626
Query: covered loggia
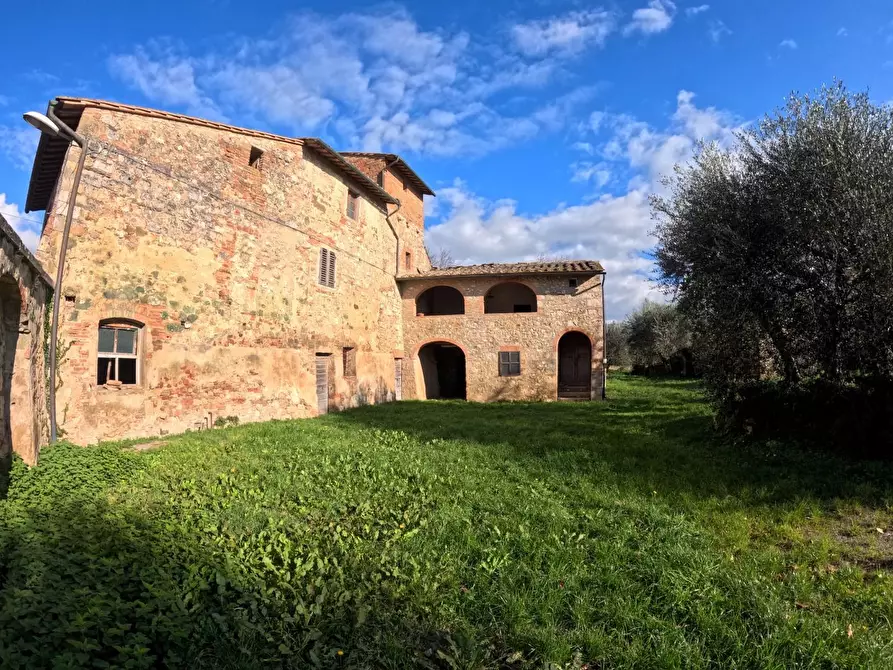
x=439 y=301
x=443 y=370
x=509 y=297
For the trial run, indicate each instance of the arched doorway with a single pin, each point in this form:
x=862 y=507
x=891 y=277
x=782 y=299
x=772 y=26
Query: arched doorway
x=10 y=320
x=443 y=370
x=574 y=366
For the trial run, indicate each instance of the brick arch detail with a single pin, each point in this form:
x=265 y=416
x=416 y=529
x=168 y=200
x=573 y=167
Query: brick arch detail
x=557 y=340
x=435 y=340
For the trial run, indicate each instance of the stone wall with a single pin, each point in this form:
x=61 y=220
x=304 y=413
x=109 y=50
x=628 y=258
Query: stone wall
x=560 y=309
x=217 y=261
x=24 y=294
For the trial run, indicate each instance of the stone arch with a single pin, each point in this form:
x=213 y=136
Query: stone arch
x=11 y=305
x=440 y=300
x=509 y=297
x=574 y=353
x=442 y=370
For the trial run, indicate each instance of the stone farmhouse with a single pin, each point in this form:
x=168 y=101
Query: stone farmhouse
x=216 y=272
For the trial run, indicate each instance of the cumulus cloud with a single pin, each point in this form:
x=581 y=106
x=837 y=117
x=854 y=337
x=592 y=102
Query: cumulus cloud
x=655 y=18
x=611 y=227
x=371 y=80
x=567 y=34
x=788 y=44
x=27 y=228
x=19 y=145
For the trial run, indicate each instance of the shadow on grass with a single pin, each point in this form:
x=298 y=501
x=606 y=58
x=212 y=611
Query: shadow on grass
x=649 y=442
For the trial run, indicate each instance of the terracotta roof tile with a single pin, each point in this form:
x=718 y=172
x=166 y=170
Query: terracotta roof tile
x=515 y=269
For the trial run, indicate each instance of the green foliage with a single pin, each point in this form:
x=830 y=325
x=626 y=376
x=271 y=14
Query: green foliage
x=449 y=535
x=658 y=338
x=225 y=421
x=616 y=346
x=781 y=248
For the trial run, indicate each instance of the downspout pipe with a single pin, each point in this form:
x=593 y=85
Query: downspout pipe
x=604 y=342
x=388 y=215
x=81 y=141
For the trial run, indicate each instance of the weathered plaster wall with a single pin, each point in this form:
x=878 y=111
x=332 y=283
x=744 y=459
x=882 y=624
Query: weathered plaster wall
x=219 y=260
x=409 y=220
x=560 y=308
x=24 y=292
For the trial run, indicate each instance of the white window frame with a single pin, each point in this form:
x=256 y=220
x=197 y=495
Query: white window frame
x=116 y=356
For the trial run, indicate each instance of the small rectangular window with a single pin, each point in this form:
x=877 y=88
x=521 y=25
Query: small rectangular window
x=509 y=363
x=117 y=360
x=350 y=361
x=408 y=260
x=327 y=268
x=381 y=178
x=255 y=158
x=352 y=202
x=572 y=282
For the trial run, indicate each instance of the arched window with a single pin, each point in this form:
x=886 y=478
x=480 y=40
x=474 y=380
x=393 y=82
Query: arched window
x=440 y=300
x=119 y=348
x=509 y=297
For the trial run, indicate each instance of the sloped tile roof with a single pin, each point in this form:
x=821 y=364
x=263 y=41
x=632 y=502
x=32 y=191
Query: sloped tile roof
x=510 y=269
x=398 y=164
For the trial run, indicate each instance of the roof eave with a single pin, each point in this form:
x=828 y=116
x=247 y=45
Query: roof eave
x=480 y=275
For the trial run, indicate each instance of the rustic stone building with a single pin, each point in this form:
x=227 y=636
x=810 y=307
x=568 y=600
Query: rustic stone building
x=216 y=272
x=24 y=292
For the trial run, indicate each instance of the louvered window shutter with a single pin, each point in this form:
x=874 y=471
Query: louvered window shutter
x=324 y=267
x=331 y=283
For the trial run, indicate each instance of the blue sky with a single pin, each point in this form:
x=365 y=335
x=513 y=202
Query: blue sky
x=543 y=127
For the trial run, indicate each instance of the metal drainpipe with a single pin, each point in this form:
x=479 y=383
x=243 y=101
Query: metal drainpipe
x=604 y=342
x=389 y=215
x=57 y=290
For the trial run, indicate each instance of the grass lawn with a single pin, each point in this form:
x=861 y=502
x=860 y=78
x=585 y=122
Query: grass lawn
x=618 y=535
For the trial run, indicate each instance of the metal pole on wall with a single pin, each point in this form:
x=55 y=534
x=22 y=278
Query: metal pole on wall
x=53 y=126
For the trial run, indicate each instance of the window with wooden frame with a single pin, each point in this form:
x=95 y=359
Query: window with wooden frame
x=350 y=361
x=118 y=354
x=327 y=268
x=509 y=363
x=353 y=204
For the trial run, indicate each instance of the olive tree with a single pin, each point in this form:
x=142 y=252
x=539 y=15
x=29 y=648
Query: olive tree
x=780 y=249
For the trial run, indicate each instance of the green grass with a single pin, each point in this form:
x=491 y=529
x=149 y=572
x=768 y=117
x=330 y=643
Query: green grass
x=618 y=535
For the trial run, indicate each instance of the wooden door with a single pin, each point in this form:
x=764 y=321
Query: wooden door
x=574 y=365
x=398 y=379
x=322 y=384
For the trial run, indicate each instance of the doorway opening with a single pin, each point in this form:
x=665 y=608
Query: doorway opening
x=574 y=367
x=443 y=370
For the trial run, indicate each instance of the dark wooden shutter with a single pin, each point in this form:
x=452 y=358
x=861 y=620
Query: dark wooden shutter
x=331 y=283
x=398 y=379
x=322 y=384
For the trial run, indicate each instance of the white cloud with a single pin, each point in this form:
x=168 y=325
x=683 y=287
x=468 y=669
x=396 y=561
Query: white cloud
x=567 y=34
x=788 y=44
x=655 y=18
x=371 y=80
x=843 y=32
x=717 y=30
x=19 y=144
x=612 y=227
x=169 y=79
x=694 y=11
x=27 y=227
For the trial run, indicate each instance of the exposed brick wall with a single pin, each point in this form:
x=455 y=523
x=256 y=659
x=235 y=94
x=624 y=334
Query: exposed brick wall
x=219 y=261
x=24 y=292
x=560 y=309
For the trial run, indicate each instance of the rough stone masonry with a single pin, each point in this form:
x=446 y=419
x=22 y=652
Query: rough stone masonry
x=216 y=272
